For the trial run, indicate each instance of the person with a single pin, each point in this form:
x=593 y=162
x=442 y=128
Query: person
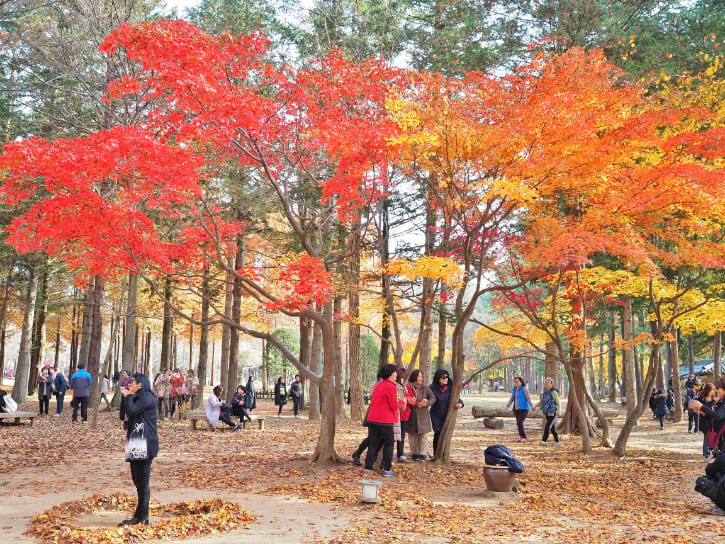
x=295 y=391
x=652 y=402
x=217 y=410
x=142 y=442
x=60 y=386
x=715 y=470
x=80 y=383
x=176 y=393
x=521 y=405
x=383 y=414
x=104 y=389
x=550 y=405
x=693 y=418
x=441 y=388
x=670 y=401
x=239 y=404
x=496 y=385
x=405 y=391
x=45 y=389
x=690 y=383
x=280 y=395
x=419 y=423
x=707 y=396
x=162 y=390
x=661 y=408
x=192 y=382
x=250 y=401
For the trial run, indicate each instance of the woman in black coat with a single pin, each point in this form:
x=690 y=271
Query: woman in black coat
x=280 y=394
x=142 y=441
x=661 y=408
x=442 y=391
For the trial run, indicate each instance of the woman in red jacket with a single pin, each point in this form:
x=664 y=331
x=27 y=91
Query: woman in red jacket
x=383 y=414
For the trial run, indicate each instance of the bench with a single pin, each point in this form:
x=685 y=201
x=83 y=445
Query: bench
x=201 y=416
x=17 y=416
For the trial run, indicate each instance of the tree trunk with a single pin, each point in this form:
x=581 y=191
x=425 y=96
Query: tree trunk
x=716 y=353
x=22 y=370
x=86 y=326
x=3 y=327
x=690 y=356
x=580 y=421
x=233 y=372
x=203 y=340
x=96 y=401
x=191 y=342
x=168 y=329
x=94 y=348
x=74 y=336
x=628 y=361
x=337 y=337
x=600 y=377
x=56 y=354
x=316 y=365
x=442 y=330
x=325 y=449
x=386 y=294
x=550 y=361
x=612 y=360
x=620 y=447
x=638 y=370
x=129 y=333
x=305 y=354
x=226 y=334
x=37 y=338
x=147 y=356
x=676 y=388
x=357 y=404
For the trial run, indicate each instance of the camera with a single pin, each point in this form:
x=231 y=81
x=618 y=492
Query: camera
x=706 y=487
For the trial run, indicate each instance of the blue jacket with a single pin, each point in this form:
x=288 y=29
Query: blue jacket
x=519 y=394
x=80 y=383
x=549 y=404
x=60 y=383
x=439 y=409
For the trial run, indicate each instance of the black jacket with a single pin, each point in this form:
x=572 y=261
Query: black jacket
x=440 y=408
x=715 y=415
x=295 y=390
x=141 y=407
x=280 y=394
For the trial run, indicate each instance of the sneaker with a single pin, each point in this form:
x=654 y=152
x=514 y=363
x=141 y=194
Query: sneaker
x=368 y=471
x=522 y=439
x=544 y=443
x=56 y=414
x=556 y=443
x=356 y=460
x=402 y=459
x=716 y=511
x=388 y=474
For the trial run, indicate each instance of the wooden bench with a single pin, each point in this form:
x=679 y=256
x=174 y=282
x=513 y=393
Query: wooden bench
x=201 y=416
x=17 y=416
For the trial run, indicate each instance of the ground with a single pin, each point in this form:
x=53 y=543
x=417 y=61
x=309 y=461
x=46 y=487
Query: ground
x=564 y=496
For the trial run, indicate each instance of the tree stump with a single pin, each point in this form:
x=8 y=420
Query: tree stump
x=493 y=423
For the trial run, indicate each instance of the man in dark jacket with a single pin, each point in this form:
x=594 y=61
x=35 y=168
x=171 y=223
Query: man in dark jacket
x=80 y=383
x=60 y=386
x=295 y=391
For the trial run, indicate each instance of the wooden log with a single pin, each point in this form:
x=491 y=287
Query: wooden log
x=480 y=411
x=493 y=423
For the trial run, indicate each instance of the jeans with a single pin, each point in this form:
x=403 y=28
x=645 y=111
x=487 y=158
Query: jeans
x=296 y=402
x=43 y=404
x=163 y=407
x=81 y=402
x=662 y=421
x=59 y=397
x=693 y=417
x=550 y=426
x=520 y=416
x=380 y=435
x=141 y=474
x=401 y=442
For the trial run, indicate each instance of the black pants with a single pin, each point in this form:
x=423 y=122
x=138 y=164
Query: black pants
x=436 y=436
x=380 y=435
x=81 y=402
x=401 y=442
x=693 y=418
x=362 y=447
x=59 y=397
x=43 y=404
x=141 y=474
x=550 y=425
x=241 y=412
x=662 y=421
x=520 y=418
x=296 y=403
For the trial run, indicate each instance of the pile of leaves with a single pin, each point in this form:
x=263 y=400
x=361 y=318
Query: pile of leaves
x=178 y=520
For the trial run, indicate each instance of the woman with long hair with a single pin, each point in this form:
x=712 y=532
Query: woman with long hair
x=142 y=441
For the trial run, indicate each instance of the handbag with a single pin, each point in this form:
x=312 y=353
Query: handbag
x=136 y=445
x=182 y=390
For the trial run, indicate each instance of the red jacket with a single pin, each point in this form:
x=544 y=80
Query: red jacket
x=405 y=411
x=384 y=404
